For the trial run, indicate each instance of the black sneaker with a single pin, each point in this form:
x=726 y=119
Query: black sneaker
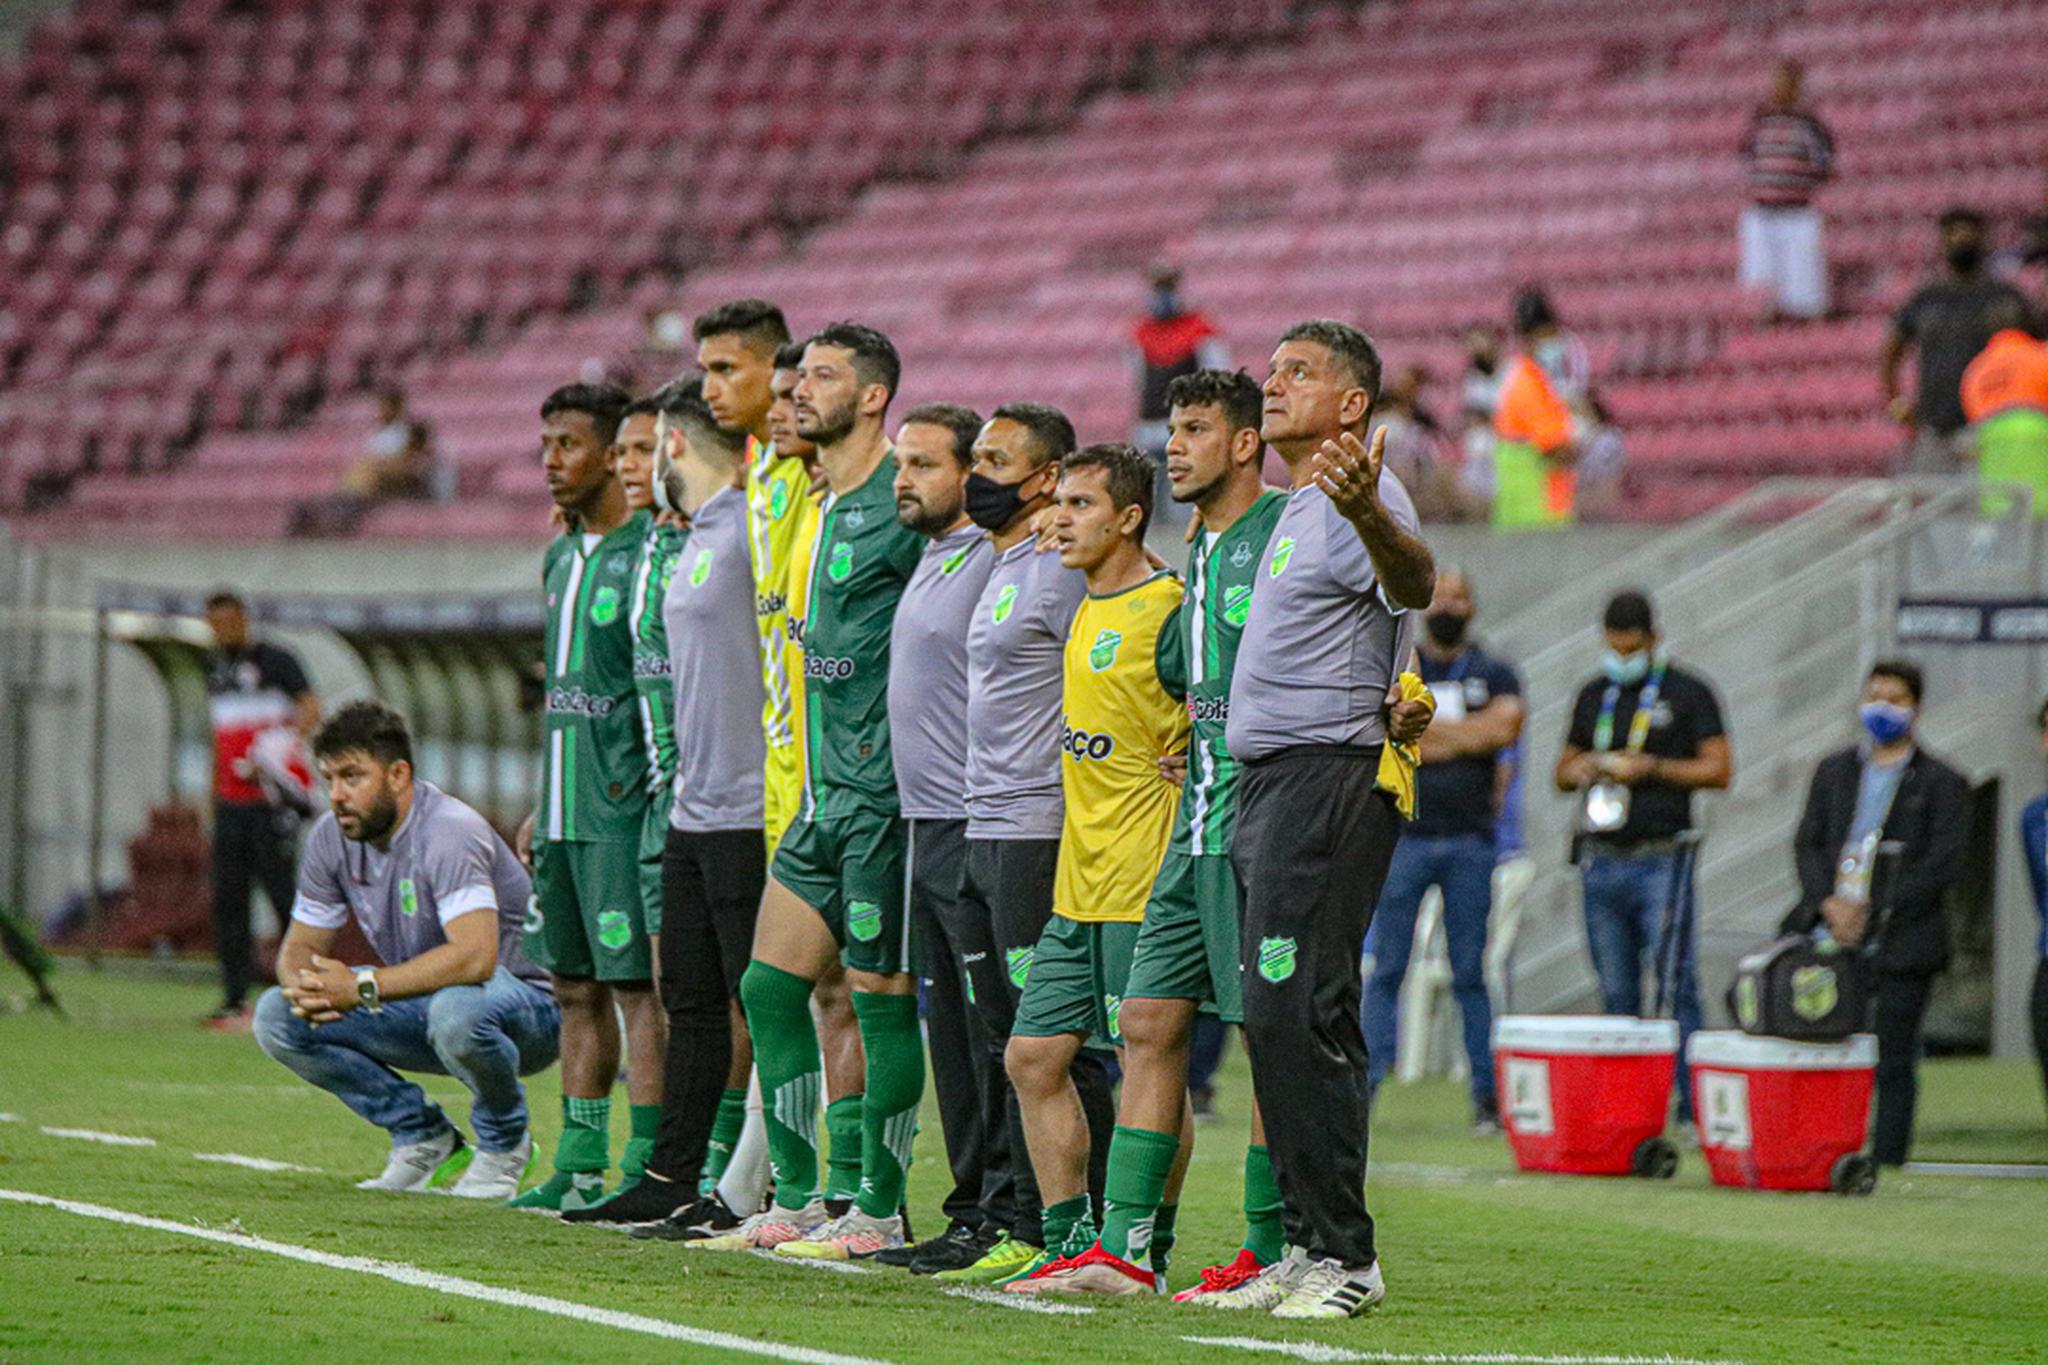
x=1486 y=1119
x=901 y=1256
x=961 y=1247
x=706 y=1217
x=644 y=1201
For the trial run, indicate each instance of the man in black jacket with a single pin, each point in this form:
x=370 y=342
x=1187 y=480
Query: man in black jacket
x=1885 y=789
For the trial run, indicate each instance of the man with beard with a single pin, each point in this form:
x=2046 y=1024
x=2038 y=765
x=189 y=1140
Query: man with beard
x=439 y=896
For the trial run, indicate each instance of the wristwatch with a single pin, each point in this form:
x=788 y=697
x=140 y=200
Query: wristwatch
x=367 y=994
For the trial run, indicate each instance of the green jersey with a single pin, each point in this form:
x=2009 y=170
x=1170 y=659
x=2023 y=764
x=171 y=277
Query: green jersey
x=861 y=558
x=1221 y=567
x=651 y=678
x=594 y=762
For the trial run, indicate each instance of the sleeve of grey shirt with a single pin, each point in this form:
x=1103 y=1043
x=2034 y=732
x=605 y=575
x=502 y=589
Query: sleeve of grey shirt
x=456 y=864
x=1350 y=561
x=321 y=902
x=1060 y=590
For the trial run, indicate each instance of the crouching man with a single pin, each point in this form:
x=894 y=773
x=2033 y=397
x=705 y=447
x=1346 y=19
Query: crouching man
x=439 y=895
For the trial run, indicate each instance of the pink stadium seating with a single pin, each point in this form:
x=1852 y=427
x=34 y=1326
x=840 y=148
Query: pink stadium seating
x=225 y=215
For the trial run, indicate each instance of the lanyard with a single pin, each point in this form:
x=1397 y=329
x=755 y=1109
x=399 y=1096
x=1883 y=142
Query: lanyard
x=1639 y=723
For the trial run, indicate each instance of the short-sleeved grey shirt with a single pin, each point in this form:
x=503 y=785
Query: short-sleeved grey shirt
x=1015 y=679
x=444 y=861
x=1320 y=645
x=714 y=651
x=928 y=675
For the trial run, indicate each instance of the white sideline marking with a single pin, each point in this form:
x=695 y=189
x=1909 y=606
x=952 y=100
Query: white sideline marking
x=1304 y=1350
x=93 y=1135
x=836 y=1267
x=1980 y=1170
x=400 y=1273
x=254 y=1163
x=1023 y=1303
x=10 y=1118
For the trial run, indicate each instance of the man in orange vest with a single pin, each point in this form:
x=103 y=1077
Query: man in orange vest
x=1534 y=480
x=2005 y=396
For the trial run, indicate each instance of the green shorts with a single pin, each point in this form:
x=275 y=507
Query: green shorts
x=653 y=839
x=850 y=870
x=586 y=918
x=1188 y=946
x=1075 y=981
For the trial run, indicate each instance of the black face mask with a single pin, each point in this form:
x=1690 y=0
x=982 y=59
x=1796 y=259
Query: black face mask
x=1447 y=628
x=1964 y=258
x=991 y=505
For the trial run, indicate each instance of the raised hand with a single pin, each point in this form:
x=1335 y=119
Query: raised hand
x=1350 y=473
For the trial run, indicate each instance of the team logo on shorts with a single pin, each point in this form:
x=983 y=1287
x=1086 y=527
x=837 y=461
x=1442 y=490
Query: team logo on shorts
x=700 y=567
x=841 y=563
x=1240 y=554
x=1814 y=993
x=533 y=916
x=1276 y=959
x=1019 y=960
x=614 y=930
x=1282 y=552
x=1005 y=600
x=408 y=897
x=604 y=607
x=1102 y=653
x=864 y=921
x=1237 y=604
x=951 y=564
x=778 y=499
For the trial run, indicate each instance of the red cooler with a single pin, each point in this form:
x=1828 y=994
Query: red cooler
x=1780 y=1115
x=1586 y=1094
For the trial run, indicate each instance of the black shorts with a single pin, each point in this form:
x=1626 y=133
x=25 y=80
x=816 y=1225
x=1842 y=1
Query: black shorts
x=711 y=886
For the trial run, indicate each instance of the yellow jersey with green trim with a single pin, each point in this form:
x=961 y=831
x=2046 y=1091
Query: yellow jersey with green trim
x=776 y=486
x=1119 y=720
x=793 y=643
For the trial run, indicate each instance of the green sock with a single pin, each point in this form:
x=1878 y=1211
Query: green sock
x=1139 y=1162
x=895 y=1049
x=725 y=1131
x=1068 y=1222
x=778 y=1006
x=842 y=1159
x=586 y=1143
x=1264 y=1237
x=646 y=1118
x=1162 y=1236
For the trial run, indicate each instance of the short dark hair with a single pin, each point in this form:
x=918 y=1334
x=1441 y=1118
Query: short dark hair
x=1051 y=432
x=1353 y=348
x=1531 y=309
x=790 y=354
x=683 y=401
x=1233 y=392
x=1902 y=670
x=226 y=597
x=964 y=423
x=1629 y=609
x=606 y=404
x=874 y=355
x=1125 y=469
x=365 y=727
x=758 y=321
x=668 y=398
x=1960 y=215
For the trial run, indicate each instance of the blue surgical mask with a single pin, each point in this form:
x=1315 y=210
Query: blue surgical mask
x=1886 y=722
x=1550 y=354
x=1625 y=668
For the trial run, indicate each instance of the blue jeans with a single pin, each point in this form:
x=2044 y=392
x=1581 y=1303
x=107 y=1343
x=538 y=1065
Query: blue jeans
x=1627 y=898
x=1461 y=865
x=485 y=1036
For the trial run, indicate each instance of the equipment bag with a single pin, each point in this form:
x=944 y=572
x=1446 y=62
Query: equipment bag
x=1799 y=989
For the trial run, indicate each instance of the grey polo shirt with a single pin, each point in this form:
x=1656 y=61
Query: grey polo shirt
x=1015 y=680
x=1320 y=644
x=928 y=675
x=714 y=650
x=444 y=861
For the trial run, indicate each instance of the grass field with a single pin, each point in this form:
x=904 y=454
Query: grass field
x=1481 y=1263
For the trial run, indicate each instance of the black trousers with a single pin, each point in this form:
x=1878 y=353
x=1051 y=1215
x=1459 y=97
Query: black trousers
x=1899 y=1009
x=710 y=897
x=1005 y=902
x=2039 y=1009
x=252 y=846
x=959 y=1049
x=1314 y=836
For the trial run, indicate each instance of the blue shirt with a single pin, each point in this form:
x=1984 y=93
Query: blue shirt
x=2034 y=838
x=1874 y=793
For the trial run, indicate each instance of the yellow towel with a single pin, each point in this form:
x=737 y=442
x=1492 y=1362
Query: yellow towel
x=1398 y=762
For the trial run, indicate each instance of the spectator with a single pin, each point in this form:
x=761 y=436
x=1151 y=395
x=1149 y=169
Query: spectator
x=1947 y=322
x=1787 y=155
x=1450 y=843
x=1478 y=397
x=1535 y=429
x=2005 y=396
x=1885 y=788
x=252 y=687
x=1603 y=466
x=1418 y=452
x=2034 y=840
x=2032 y=254
x=663 y=351
x=1172 y=340
x=1644 y=736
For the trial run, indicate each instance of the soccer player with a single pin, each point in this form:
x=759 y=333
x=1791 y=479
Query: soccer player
x=587 y=923
x=1119 y=723
x=1325 y=636
x=782 y=432
x=928 y=739
x=438 y=894
x=1014 y=803
x=836 y=885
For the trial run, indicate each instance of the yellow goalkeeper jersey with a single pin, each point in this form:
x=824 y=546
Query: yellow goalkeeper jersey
x=776 y=486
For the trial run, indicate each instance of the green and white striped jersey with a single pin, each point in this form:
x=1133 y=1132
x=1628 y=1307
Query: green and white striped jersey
x=651 y=673
x=594 y=761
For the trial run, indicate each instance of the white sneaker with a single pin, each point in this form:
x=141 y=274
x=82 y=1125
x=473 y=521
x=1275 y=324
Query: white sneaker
x=1332 y=1290
x=768 y=1229
x=495 y=1175
x=1264 y=1291
x=414 y=1166
x=852 y=1237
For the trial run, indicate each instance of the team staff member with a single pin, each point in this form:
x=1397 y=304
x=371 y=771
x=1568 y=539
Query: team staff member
x=587 y=923
x=439 y=896
x=1324 y=640
x=1450 y=842
x=2034 y=840
x=252 y=687
x=1644 y=736
x=928 y=738
x=1119 y=723
x=2005 y=396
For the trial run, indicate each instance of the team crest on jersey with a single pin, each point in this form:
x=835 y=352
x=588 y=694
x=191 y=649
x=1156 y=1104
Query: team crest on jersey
x=408 y=897
x=778 y=499
x=1005 y=600
x=841 y=563
x=951 y=564
x=1237 y=604
x=855 y=518
x=864 y=921
x=1282 y=552
x=614 y=930
x=604 y=606
x=700 y=567
x=1102 y=653
x=1277 y=959
x=618 y=563
x=1019 y=962
x=1240 y=554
